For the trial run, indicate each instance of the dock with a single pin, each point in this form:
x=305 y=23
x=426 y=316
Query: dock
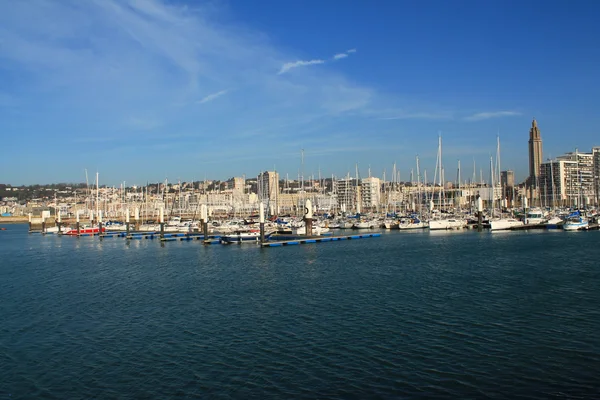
x=527 y=227
x=314 y=239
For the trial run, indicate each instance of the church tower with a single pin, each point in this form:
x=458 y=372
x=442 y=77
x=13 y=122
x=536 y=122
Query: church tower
x=535 y=154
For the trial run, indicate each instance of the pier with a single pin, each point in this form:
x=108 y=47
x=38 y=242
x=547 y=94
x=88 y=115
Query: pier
x=315 y=239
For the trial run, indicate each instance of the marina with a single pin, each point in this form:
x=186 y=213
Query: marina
x=299 y=200
x=407 y=309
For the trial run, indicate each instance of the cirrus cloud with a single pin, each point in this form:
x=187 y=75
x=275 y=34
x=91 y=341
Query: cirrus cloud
x=491 y=114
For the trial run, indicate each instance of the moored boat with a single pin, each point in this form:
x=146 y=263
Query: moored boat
x=504 y=224
x=250 y=236
x=554 y=223
x=446 y=224
x=575 y=222
x=411 y=223
x=90 y=230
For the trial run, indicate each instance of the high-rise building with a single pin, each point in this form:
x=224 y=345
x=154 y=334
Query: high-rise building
x=507 y=178
x=596 y=157
x=535 y=154
x=568 y=180
x=583 y=183
x=507 y=181
x=370 y=192
x=268 y=187
x=346 y=194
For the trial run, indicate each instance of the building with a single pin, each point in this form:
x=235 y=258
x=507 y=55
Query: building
x=507 y=181
x=535 y=154
x=268 y=187
x=596 y=157
x=582 y=183
x=370 y=193
x=237 y=186
x=346 y=192
x=507 y=178
x=568 y=180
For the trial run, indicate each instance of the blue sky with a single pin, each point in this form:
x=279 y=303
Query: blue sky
x=143 y=90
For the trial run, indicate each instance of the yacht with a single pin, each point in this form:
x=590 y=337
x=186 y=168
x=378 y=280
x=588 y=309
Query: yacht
x=446 y=224
x=535 y=216
x=575 y=222
x=411 y=223
x=504 y=224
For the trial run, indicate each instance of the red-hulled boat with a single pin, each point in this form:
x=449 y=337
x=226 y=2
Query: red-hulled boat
x=93 y=230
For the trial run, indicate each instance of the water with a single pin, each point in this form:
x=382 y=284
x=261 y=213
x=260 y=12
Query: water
x=407 y=315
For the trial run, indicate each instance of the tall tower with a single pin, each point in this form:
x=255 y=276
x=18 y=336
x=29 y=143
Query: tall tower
x=535 y=154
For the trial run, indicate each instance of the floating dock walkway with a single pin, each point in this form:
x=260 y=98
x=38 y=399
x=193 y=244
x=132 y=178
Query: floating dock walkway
x=315 y=239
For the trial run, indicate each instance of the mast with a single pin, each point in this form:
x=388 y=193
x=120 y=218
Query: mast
x=498 y=172
x=492 y=182
x=552 y=184
x=442 y=194
x=358 y=208
x=419 y=187
x=97 y=197
x=88 y=196
x=458 y=178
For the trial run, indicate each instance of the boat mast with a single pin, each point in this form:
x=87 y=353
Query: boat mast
x=442 y=200
x=458 y=178
x=552 y=185
x=498 y=172
x=492 y=183
x=419 y=187
x=97 y=197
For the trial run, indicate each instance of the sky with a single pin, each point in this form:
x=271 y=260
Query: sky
x=146 y=90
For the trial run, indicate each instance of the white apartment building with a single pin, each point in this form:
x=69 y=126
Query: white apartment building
x=370 y=193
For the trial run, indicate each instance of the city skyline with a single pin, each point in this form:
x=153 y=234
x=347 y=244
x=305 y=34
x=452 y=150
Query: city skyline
x=146 y=90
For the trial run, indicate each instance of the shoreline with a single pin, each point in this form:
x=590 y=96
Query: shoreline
x=14 y=220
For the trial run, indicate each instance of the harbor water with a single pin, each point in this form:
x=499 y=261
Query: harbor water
x=405 y=315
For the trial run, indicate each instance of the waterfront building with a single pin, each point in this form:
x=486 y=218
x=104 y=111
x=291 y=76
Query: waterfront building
x=268 y=187
x=370 y=193
x=582 y=183
x=346 y=192
x=568 y=180
x=596 y=162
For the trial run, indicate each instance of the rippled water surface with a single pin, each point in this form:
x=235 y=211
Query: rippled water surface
x=407 y=315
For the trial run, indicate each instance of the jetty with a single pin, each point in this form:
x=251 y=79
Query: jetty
x=314 y=239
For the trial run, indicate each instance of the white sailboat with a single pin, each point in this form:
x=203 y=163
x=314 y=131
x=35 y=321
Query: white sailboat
x=500 y=223
x=447 y=222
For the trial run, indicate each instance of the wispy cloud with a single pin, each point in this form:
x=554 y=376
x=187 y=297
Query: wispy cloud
x=493 y=114
x=113 y=72
x=213 y=96
x=421 y=115
x=343 y=55
x=291 y=65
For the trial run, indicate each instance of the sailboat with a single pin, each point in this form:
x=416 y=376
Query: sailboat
x=500 y=223
x=448 y=222
x=414 y=221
